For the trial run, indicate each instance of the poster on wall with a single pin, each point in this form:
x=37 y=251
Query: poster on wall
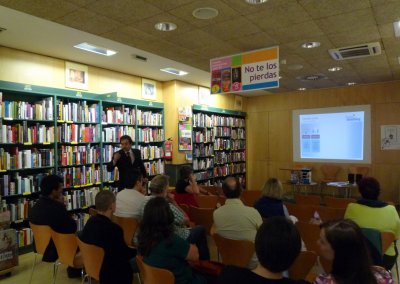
x=76 y=76
x=184 y=113
x=238 y=103
x=185 y=136
x=149 y=89
x=204 y=96
x=390 y=137
x=253 y=70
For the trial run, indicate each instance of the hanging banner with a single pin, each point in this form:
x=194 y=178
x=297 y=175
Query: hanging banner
x=253 y=70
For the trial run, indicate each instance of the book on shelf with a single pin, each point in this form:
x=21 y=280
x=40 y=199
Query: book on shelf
x=151 y=152
x=22 y=133
x=203 y=164
x=238 y=144
x=78 y=111
x=78 y=155
x=205 y=135
x=110 y=176
x=40 y=110
x=119 y=114
x=112 y=134
x=147 y=135
x=19 y=210
x=78 y=133
x=228 y=121
x=203 y=120
x=17 y=184
x=222 y=144
x=204 y=175
x=108 y=152
x=80 y=219
x=154 y=168
x=238 y=133
x=26 y=159
x=149 y=118
x=222 y=131
x=201 y=150
x=24 y=237
x=77 y=199
x=80 y=176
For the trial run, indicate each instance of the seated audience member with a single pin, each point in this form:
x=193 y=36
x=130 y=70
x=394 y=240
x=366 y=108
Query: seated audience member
x=270 y=204
x=102 y=232
x=187 y=186
x=129 y=200
x=277 y=246
x=196 y=235
x=234 y=220
x=50 y=210
x=369 y=212
x=343 y=243
x=162 y=248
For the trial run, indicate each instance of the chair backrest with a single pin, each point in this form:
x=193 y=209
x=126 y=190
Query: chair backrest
x=302 y=265
x=329 y=172
x=154 y=275
x=249 y=197
x=359 y=170
x=202 y=216
x=92 y=211
x=215 y=190
x=234 y=252
x=92 y=257
x=185 y=208
x=42 y=236
x=328 y=213
x=301 y=199
x=387 y=239
x=335 y=202
x=309 y=234
x=326 y=264
x=207 y=201
x=302 y=212
x=129 y=226
x=221 y=200
x=67 y=246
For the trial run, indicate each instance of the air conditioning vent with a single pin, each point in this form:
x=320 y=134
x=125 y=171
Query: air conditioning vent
x=312 y=77
x=356 y=51
x=139 y=57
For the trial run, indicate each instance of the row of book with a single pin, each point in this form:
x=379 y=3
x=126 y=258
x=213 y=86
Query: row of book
x=205 y=120
x=202 y=150
x=229 y=157
x=108 y=152
x=78 y=111
x=110 y=176
x=154 y=168
x=241 y=178
x=119 y=114
x=78 y=155
x=16 y=184
x=205 y=135
x=80 y=219
x=151 y=152
x=70 y=133
x=204 y=175
x=112 y=134
x=26 y=159
x=229 y=169
x=202 y=120
x=77 y=199
x=222 y=131
x=238 y=133
x=40 y=110
x=238 y=145
x=147 y=135
x=21 y=133
x=19 y=210
x=24 y=237
x=222 y=144
x=149 y=118
x=203 y=164
x=80 y=176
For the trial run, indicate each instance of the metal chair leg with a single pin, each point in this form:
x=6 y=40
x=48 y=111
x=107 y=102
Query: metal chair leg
x=55 y=270
x=33 y=268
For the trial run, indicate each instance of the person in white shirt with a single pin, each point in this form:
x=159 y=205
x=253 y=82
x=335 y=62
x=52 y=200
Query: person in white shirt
x=130 y=200
x=234 y=220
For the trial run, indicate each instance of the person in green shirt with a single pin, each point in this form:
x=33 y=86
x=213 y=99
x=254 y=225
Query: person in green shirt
x=371 y=213
x=161 y=248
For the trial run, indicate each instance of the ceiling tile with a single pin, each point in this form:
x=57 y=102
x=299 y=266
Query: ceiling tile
x=125 y=11
x=231 y=29
x=391 y=44
x=244 y=8
x=252 y=42
x=354 y=37
x=294 y=32
x=167 y=5
x=278 y=16
x=322 y=9
x=193 y=39
x=217 y=49
x=88 y=21
x=81 y=3
x=386 y=30
x=387 y=13
x=47 y=9
x=356 y=20
x=224 y=12
x=381 y=2
x=130 y=35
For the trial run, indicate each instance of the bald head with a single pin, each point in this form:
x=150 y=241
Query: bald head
x=231 y=187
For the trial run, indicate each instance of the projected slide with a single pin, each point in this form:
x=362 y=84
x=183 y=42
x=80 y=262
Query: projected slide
x=337 y=136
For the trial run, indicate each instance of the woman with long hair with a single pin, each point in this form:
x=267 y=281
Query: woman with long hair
x=161 y=248
x=343 y=243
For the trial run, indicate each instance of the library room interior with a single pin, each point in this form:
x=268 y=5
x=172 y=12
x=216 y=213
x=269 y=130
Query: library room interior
x=199 y=141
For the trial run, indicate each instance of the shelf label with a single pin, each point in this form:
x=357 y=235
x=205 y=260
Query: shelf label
x=28 y=143
x=27 y=193
x=119 y=100
x=74 y=142
x=60 y=120
x=150 y=103
x=46 y=143
x=8 y=118
x=77 y=186
x=27 y=88
x=69 y=121
x=98 y=182
x=78 y=94
x=3 y=171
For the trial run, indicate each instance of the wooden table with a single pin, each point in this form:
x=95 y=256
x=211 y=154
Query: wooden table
x=348 y=187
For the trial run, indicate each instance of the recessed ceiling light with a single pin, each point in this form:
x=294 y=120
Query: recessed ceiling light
x=205 y=13
x=174 y=71
x=335 y=68
x=255 y=2
x=351 y=83
x=396 y=26
x=95 y=49
x=280 y=77
x=311 y=44
x=295 y=67
x=165 y=26
x=301 y=89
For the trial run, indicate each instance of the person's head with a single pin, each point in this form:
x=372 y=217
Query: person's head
x=158 y=185
x=135 y=180
x=52 y=187
x=231 y=187
x=126 y=142
x=272 y=188
x=342 y=242
x=185 y=172
x=105 y=202
x=369 y=188
x=157 y=224
x=277 y=244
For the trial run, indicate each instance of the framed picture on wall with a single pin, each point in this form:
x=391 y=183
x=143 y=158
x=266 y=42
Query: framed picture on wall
x=76 y=76
x=149 y=89
x=204 y=96
x=238 y=103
